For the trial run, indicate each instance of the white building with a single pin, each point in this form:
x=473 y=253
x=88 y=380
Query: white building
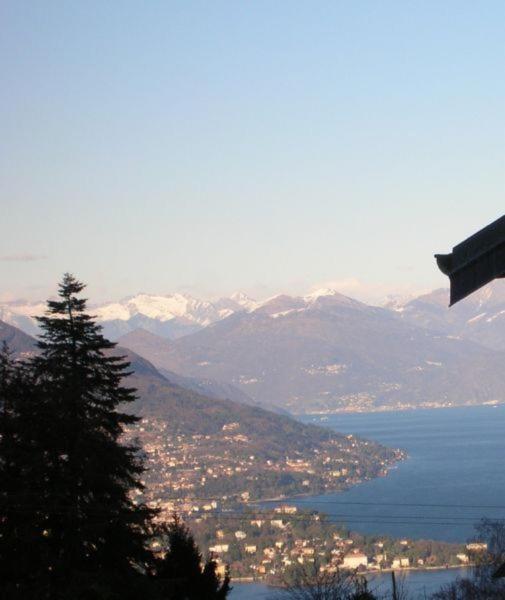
x=354 y=560
x=219 y=548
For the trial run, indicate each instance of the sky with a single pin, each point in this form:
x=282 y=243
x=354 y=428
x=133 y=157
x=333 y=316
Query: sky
x=209 y=147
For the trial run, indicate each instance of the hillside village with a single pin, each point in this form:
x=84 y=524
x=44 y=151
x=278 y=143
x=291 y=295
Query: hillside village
x=185 y=471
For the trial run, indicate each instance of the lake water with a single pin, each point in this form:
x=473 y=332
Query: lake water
x=453 y=477
x=420 y=585
x=455 y=470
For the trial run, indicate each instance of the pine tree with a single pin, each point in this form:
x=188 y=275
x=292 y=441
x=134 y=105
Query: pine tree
x=181 y=573
x=96 y=535
x=69 y=528
x=8 y=488
x=21 y=480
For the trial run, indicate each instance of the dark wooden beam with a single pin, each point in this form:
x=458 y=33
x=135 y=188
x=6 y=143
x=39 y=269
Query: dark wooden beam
x=475 y=261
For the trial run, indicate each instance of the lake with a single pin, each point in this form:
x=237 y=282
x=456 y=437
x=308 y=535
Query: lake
x=420 y=585
x=453 y=477
x=454 y=474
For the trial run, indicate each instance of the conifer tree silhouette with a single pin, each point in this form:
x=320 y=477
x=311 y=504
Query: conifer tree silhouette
x=182 y=573
x=22 y=518
x=94 y=538
x=69 y=527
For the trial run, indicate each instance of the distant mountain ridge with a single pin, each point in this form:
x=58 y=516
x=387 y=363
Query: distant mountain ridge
x=175 y=315
x=170 y=316
x=480 y=317
x=154 y=348
x=328 y=352
x=325 y=351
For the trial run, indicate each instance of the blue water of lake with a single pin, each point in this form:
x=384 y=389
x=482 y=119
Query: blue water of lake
x=455 y=470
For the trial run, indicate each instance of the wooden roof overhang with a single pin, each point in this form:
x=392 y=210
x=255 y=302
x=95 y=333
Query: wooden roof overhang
x=476 y=261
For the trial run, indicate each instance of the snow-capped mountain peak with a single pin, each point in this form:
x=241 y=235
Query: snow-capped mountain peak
x=244 y=300
x=237 y=302
x=326 y=295
x=169 y=315
x=22 y=314
x=159 y=307
x=321 y=292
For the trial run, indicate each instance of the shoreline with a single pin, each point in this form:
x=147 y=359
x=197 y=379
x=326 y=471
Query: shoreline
x=386 y=409
x=251 y=580
x=327 y=492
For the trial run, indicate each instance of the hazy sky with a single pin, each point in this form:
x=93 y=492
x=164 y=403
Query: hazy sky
x=266 y=146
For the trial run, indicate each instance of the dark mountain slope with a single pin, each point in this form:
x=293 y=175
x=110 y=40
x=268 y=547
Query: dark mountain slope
x=154 y=348
x=189 y=413
x=253 y=450
x=18 y=342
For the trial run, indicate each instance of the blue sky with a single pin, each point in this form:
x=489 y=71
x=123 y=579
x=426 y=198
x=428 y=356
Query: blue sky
x=268 y=146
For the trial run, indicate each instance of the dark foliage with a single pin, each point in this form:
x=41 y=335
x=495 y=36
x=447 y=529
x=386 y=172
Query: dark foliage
x=471 y=589
x=70 y=526
x=22 y=519
x=308 y=582
x=180 y=572
x=481 y=585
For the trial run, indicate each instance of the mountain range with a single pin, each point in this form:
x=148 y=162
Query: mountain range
x=170 y=316
x=480 y=317
x=327 y=352
x=323 y=352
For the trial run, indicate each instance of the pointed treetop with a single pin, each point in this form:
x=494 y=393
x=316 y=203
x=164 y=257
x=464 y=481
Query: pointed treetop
x=69 y=286
x=69 y=303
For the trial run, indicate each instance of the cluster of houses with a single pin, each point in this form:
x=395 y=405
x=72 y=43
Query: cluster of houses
x=286 y=551
x=204 y=477
x=182 y=468
x=266 y=547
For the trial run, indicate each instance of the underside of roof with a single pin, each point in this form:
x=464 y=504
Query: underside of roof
x=476 y=261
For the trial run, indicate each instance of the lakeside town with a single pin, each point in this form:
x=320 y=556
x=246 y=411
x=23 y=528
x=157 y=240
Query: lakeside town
x=192 y=473
x=364 y=403
x=216 y=488
x=267 y=544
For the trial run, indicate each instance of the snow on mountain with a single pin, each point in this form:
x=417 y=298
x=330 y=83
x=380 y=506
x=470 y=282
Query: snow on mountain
x=22 y=314
x=328 y=352
x=170 y=315
x=329 y=296
x=397 y=302
x=160 y=308
x=322 y=292
x=280 y=304
x=235 y=303
x=283 y=305
x=244 y=301
x=480 y=317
